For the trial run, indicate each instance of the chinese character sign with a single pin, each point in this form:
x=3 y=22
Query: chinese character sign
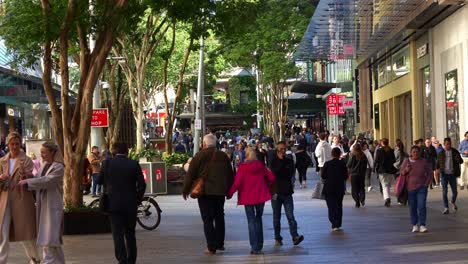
x=332 y=99
x=100 y=117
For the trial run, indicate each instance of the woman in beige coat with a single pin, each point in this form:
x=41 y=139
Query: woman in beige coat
x=48 y=185
x=16 y=208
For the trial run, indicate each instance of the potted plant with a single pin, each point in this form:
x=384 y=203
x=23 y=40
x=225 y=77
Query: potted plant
x=151 y=155
x=145 y=155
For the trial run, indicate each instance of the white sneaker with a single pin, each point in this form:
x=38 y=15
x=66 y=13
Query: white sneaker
x=422 y=229
x=369 y=188
x=415 y=229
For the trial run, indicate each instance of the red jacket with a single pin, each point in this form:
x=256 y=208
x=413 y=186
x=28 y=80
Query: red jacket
x=251 y=182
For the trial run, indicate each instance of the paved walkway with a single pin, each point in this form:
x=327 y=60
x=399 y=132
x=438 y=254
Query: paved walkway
x=373 y=234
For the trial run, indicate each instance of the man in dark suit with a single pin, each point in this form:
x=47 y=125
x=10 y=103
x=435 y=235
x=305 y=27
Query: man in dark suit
x=125 y=186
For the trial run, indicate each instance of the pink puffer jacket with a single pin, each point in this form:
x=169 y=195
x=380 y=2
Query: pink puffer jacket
x=251 y=182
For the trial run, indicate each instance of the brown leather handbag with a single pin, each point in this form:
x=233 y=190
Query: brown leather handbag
x=198 y=186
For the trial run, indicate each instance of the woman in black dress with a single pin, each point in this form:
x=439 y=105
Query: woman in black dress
x=335 y=174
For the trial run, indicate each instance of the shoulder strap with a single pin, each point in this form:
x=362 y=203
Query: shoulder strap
x=209 y=164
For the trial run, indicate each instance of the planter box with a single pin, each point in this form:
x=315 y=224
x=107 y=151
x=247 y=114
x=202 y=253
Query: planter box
x=175 y=179
x=86 y=222
x=175 y=173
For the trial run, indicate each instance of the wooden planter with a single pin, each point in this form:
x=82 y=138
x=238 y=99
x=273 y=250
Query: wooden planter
x=175 y=179
x=86 y=222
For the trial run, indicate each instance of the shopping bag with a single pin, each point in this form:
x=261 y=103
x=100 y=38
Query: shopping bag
x=317 y=192
x=400 y=185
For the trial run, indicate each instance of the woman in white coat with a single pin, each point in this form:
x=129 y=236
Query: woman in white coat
x=49 y=190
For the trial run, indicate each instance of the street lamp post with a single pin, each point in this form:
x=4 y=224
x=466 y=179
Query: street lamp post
x=199 y=114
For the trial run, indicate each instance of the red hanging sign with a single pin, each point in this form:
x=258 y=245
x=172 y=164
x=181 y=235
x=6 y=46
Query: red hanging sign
x=100 y=117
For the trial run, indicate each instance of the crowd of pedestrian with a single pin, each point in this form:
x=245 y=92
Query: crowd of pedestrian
x=260 y=170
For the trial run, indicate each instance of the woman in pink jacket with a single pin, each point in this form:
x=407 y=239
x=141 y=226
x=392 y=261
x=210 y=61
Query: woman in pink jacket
x=418 y=175
x=251 y=182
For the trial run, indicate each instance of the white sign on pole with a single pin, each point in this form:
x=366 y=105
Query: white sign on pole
x=198 y=124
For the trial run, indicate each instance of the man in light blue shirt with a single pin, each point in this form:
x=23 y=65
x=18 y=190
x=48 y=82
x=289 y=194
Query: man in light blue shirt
x=463 y=148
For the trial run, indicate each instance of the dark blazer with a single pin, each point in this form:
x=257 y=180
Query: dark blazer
x=123 y=182
x=335 y=173
x=220 y=174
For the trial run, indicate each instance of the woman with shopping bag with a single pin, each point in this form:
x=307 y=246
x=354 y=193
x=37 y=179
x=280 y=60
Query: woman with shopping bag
x=415 y=176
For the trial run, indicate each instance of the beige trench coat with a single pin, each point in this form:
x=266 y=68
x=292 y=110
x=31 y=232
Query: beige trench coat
x=49 y=193
x=21 y=201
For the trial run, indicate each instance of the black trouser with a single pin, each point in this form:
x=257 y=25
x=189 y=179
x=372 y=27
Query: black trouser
x=123 y=227
x=212 y=213
x=357 y=188
x=302 y=174
x=335 y=208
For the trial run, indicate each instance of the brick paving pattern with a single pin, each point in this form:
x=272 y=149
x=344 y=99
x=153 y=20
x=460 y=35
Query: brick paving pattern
x=373 y=234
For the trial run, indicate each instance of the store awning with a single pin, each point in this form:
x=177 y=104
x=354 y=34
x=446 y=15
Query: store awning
x=317 y=88
x=358 y=29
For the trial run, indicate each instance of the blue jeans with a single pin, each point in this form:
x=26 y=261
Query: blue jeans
x=276 y=204
x=254 y=218
x=417 y=205
x=446 y=179
x=95 y=187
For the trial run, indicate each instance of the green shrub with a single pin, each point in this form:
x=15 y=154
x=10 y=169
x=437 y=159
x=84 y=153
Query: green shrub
x=175 y=158
x=144 y=153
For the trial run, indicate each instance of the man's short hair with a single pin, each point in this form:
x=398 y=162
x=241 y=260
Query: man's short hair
x=447 y=139
x=466 y=133
x=322 y=136
x=336 y=152
x=120 y=148
x=94 y=147
x=210 y=140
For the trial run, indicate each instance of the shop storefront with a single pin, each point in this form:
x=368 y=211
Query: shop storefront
x=23 y=108
x=450 y=38
x=393 y=96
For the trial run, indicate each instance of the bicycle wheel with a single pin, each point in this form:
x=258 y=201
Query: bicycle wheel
x=94 y=204
x=149 y=214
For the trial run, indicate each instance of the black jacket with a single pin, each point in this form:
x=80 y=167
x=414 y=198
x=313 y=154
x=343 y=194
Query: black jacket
x=334 y=173
x=220 y=175
x=357 y=166
x=283 y=169
x=303 y=160
x=430 y=155
x=261 y=155
x=384 y=160
x=123 y=182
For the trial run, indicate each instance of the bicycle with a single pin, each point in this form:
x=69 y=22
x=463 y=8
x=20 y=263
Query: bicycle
x=148 y=212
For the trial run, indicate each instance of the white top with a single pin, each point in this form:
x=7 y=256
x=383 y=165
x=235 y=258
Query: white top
x=370 y=160
x=323 y=152
x=448 y=162
x=11 y=167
